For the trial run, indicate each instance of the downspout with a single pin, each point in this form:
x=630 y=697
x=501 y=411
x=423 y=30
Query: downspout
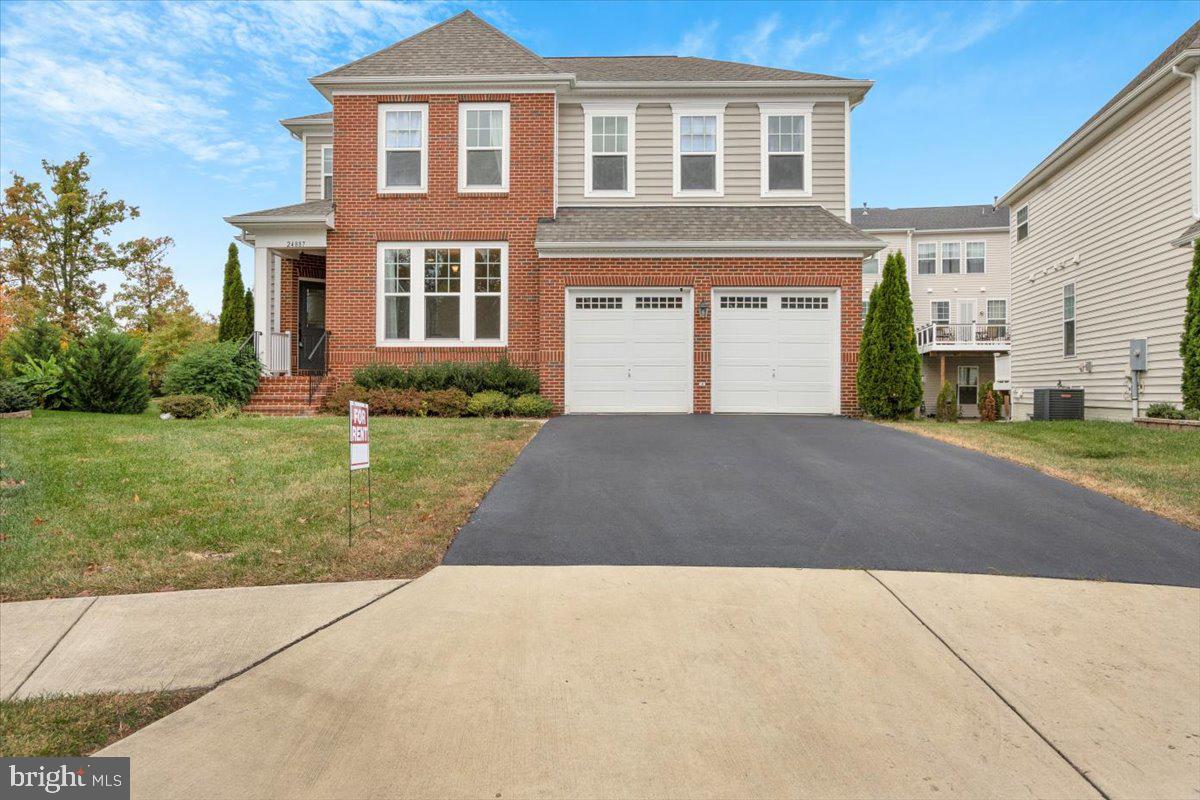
x=1194 y=102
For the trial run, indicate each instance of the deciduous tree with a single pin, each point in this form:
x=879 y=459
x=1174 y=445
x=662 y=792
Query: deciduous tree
x=149 y=291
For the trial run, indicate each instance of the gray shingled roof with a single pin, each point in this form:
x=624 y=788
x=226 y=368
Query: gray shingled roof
x=698 y=224
x=324 y=115
x=674 y=68
x=312 y=210
x=930 y=218
x=462 y=45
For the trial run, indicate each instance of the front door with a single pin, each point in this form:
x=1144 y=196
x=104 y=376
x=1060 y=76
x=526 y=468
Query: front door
x=312 y=325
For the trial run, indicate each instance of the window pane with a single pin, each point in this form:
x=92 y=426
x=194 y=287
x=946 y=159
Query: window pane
x=403 y=168
x=697 y=134
x=871 y=266
x=997 y=311
x=327 y=187
x=786 y=172
x=396 y=275
x=1069 y=338
x=441 y=317
x=698 y=172
x=487 y=317
x=484 y=168
x=608 y=172
x=327 y=161
x=485 y=128
x=941 y=311
x=395 y=317
x=487 y=271
x=314 y=307
x=785 y=134
x=950 y=257
x=443 y=271
x=403 y=129
x=610 y=134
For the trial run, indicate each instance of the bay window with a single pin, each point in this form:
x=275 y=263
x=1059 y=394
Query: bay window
x=784 y=154
x=483 y=147
x=458 y=297
x=926 y=258
x=609 y=142
x=699 y=149
x=403 y=145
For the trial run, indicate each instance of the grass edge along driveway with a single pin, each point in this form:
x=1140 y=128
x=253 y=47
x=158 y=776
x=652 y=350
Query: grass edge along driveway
x=1155 y=470
x=95 y=504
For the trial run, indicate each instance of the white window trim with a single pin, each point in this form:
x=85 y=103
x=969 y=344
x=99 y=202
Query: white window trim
x=958 y=384
x=942 y=259
x=325 y=147
x=988 y=313
x=698 y=110
x=629 y=111
x=1073 y=318
x=766 y=110
x=933 y=320
x=1017 y=225
x=505 y=148
x=937 y=257
x=964 y=257
x=416 y=295
x=381 y=140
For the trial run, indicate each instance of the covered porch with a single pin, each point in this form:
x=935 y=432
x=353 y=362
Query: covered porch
x=289 y=285
x=966 y=371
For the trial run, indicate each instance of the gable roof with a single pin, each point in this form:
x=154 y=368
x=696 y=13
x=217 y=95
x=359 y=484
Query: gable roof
x=930 y=218
x=674 y=68
x=462 y=45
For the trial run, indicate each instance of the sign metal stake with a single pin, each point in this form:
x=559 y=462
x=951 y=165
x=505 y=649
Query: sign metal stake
x=360 y=458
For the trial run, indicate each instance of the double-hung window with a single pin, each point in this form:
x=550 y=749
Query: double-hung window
x=609 y=142
x=785 y=166
x=997 y=318
x=403 y=141
x=951 y=258
x=926 y=258
x=441 y=293
x=327 y=172
x=1022 y=223
x=699 y=149
x=976 y=257
x=483 y=145
x=939 y=312
x=1068 y=320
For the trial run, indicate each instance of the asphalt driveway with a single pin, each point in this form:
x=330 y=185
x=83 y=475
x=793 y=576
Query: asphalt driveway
x=779 y=491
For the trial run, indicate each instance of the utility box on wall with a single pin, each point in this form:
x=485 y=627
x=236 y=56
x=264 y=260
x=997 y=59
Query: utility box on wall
x=1137 y=355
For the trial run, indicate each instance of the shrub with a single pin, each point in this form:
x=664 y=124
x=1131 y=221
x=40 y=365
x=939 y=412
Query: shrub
x=15 y=396
x=1189 y=340
x=445 y=403
x=889 y=366
x=393 y=401
x=1164 y=411
x=989 y=403
x=223 y=371
x=338 y=401
x=188 y=406
x=499 y=376
x=44 y=380
x=106 y=373
x=532 y=405
x=489 y=403
x=39 y=340
x=947 y=404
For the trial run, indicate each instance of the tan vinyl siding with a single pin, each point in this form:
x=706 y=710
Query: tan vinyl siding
x=1116 y=207
x=312 y=164
x=654 y=153
x=931 y=373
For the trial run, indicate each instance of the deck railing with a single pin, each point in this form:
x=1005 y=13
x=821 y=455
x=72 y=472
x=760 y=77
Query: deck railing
x=952 y=334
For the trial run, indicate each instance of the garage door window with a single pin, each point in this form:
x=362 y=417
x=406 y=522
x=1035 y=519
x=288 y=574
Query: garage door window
x=669 y=301
x=732 y=301
x=804 y=303
x=457 y=297
x=598 y=303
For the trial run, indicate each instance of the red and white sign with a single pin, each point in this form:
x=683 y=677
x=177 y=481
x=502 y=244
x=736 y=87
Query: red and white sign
x=360 y=439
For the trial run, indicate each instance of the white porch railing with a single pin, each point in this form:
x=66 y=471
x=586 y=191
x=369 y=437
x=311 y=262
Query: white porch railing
x=276 y=355
x=962 y=336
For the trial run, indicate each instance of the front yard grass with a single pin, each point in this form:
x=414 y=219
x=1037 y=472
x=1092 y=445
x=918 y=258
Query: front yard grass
x=79 y=725
x=109 y=504
x=1155 y=470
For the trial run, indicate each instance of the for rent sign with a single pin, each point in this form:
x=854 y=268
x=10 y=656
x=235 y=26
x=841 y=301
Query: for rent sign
x=360 y=440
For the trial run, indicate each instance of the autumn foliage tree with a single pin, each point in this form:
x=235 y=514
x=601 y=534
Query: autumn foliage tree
x=149 y=292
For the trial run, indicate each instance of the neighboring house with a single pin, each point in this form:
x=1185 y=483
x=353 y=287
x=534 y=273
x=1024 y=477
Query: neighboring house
x=649 y=233
x=1101 y=232
x=958 y=267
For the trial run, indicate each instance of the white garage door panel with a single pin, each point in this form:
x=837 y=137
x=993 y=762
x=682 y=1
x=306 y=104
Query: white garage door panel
x=776 y=351
x=629 y=350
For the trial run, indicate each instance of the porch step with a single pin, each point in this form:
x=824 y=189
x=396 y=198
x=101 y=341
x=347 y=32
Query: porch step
x=287 y=395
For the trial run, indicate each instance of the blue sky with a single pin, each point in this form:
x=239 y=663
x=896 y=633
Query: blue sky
x=178 y=103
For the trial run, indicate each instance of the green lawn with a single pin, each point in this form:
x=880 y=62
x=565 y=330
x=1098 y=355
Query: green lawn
x=105 y=504
x=1154 y=469
x=79 y=725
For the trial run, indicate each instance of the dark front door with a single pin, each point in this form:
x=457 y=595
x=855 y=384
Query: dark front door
x=312 y=325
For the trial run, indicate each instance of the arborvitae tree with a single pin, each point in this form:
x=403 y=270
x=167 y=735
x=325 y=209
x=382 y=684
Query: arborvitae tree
x=889 y=366
x=106 y=373
x=947 y=404
x=233 y=300
x=249 y=326
x=1189 y=345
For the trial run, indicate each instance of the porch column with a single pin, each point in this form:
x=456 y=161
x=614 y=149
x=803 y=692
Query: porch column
x=942 y=361
x=262 y=297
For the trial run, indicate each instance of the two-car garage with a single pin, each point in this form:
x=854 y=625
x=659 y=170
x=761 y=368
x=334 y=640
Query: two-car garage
x=773 y=350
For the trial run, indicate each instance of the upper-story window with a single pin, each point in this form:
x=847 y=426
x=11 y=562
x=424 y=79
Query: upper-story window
x=483 y=147
x=926 y=258
x=699 y=149
x=327 y=172
x=976 y=257
x=997 y=312
x=1068 y=320
x=403 y=147
x=939 y=312
x=1022 y=222
x=871 y=265
x=951 y=258
x=785 y=134
x=609 y=142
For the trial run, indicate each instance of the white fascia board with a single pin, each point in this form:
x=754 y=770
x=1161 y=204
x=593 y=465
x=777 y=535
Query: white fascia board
x=274 y=223
x=439 y=84
x=1097 y=127
x=793 y=86
x=700 y=249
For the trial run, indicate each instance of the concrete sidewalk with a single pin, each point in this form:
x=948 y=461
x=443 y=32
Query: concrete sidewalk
x=165 y=640
x=673 y=682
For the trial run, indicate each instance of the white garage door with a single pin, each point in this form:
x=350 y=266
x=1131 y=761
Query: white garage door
x=776 y=351
x=629 y=350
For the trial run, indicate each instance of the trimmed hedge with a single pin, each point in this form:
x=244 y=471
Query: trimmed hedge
x=532 y=405
x=445 y=403
x=489 y=404
x=496 y=376
x=188 y=406
x=437 y=403
x=1168 y=411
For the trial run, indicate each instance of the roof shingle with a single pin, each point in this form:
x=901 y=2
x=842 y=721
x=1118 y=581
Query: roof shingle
x=674 y=68
x=310 y=210
x=930 y=218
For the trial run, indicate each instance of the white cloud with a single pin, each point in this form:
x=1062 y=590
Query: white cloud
x=903 y=33
x=700 y=41
x=755 y=45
